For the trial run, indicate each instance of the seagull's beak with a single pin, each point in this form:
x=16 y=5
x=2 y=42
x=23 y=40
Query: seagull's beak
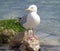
x=27 y=10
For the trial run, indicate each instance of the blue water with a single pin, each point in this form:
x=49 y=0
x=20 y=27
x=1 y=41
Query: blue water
x=49 y=11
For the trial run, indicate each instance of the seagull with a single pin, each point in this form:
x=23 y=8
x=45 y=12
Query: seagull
x=32 y=19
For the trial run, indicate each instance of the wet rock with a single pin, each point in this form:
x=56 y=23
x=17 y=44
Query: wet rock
x=26 y=41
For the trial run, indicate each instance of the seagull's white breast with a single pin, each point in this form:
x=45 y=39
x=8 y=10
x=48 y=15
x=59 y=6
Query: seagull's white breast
x=33 y=20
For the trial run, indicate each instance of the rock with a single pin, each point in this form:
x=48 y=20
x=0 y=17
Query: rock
x=9 y=32
x=6 y=35
x=16 y=41
x=26 y=41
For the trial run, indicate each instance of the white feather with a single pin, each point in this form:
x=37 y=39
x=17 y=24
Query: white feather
x=33 y=19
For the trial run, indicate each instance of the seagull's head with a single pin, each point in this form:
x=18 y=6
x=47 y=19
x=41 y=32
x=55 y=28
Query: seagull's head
x=32 y=8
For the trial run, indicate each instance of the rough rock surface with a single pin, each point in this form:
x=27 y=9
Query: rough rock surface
x=25 y=41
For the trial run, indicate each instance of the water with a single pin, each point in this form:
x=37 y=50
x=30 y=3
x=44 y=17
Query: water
x=43 y=48
x=49 y=11
x=50 y=48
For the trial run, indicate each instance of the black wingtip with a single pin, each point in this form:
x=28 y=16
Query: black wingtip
x=19 y=18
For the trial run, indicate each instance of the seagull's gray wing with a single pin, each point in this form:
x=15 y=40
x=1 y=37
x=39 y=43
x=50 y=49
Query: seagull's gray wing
x=23 y=19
